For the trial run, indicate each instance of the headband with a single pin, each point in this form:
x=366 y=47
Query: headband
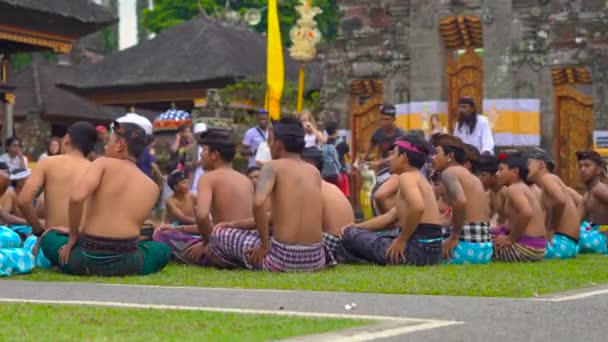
x=406 y=145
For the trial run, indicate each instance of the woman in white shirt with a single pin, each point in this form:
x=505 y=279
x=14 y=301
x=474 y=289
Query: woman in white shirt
x=313 y=137
x=13 y=157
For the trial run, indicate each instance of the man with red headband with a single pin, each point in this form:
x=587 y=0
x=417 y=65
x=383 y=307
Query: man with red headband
x=419 y=240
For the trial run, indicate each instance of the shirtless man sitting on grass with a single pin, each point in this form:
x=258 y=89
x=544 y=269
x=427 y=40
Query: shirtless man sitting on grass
x=419 y=240
x=337 y=210
x=294 y=189
x=470 y=240
x=224 y=195
x=563 y=219
x=488 y=167
x=594 y=210
x=119 y=198
x=524 y=238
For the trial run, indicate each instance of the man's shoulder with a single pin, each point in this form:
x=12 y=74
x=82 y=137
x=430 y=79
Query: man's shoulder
x=482 y=118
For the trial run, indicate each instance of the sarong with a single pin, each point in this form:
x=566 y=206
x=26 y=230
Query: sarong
x=15 y=261
x=475 y=245
x=179 y=242
x=9 y=238
x=107 y=257
x=364 y=246
x=41 y=260
x=526 y=249
x=332 y=242
x=592 y=240
x=229 y=247
x=561 y=247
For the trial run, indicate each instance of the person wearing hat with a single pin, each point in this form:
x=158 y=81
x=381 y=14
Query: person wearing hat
x=472 y=128
x=254 y=137
x=387 y=133
x=595 y=203
x=563 y=218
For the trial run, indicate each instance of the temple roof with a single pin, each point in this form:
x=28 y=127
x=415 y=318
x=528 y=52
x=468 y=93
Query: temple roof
x=36 y=92
x=70 y=18
x=201 y=52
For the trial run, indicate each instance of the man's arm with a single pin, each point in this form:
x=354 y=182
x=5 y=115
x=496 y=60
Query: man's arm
x=382 y=222
x=86 y=186
x=576 y=197
x=487 y=140
x=263 y=190
x=30 y=190
x=411 y=213
x=203 y=206
x=457 y=200
x=177 y=213
x=600 y=192
x=246 y=145
x=557 y=199
x=519 y=203
x=386 y=191
x=5 y=181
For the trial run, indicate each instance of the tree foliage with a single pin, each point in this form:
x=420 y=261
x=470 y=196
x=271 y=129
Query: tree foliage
x=168 y=13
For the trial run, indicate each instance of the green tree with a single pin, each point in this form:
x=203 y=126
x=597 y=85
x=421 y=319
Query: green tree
x=168 y=13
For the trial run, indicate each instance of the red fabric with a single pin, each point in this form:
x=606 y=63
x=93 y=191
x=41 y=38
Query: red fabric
x=344 y=184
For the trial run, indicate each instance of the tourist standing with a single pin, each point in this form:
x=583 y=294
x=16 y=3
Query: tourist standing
x=254 y=137
x=385 y=136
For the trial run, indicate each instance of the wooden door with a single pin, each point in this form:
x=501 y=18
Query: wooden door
x=365 y=101
x=574 y=130
x=465 y=78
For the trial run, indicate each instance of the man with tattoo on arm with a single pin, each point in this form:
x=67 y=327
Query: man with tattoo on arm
x=470 y=239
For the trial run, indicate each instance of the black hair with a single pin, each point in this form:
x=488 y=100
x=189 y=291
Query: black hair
x=472 y=156
x=253 y=169
x=220 y=140
x=417 y=160
x=83 y=136
x=331 y=127
x=48 y=146
x=488 y=163
x=290 y=132
x=459 y=155
x=516 y=161
x=10 y=141
x=174 y=178
x=314 y=155
x=133 y=135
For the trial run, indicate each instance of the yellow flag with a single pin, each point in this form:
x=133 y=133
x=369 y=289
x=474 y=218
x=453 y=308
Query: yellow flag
x=275 y=73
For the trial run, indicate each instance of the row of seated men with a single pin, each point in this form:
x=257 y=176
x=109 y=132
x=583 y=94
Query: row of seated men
x=294 y=221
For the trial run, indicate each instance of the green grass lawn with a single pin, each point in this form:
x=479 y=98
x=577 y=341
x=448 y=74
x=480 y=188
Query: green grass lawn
x=42 y=322
x=496 y=279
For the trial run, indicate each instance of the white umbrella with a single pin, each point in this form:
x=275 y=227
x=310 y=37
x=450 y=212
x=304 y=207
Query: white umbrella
x=137 y=119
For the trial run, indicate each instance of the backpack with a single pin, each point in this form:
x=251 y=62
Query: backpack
x=331 y=161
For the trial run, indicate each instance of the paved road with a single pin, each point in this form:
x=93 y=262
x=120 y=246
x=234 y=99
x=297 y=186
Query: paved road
x=565 y=317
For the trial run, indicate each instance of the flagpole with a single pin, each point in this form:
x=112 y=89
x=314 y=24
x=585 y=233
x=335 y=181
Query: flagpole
x=300 y=89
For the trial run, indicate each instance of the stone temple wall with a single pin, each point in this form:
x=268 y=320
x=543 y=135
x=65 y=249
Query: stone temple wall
x=33 y=132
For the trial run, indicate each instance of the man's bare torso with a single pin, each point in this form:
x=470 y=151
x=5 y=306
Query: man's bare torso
x=297 y=202
x=497 y=205
x=568 y=221
x=337 y=210
x=476 y=210
x=232 y=198
x=122 y=202
x=185 y=205
x=431 y=207
x=536 y=225
x=61 y=174
x=597 y=211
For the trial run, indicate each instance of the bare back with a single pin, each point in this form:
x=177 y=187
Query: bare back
x=297 y=202
x=232 y=195
x=476 y=210
x=61 y=174
x=497 y=205
x=536 y=225
x=337 y=210
x=122 y=201
x=567 y=221
x=431 y=206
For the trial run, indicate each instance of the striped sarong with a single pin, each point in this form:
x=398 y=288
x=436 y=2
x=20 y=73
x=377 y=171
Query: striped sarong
x=524 y=250
x=229 y=248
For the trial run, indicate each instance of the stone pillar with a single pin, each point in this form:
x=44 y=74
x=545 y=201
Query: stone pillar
x=497 y=22
x=9 y=103
x=599 y=73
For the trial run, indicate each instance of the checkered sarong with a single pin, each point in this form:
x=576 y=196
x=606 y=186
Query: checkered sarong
x=229 y=247
x=332 y=242
x=476 y=232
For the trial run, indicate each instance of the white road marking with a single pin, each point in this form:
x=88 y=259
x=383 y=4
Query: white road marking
x=422 y=324
x=572 y=297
